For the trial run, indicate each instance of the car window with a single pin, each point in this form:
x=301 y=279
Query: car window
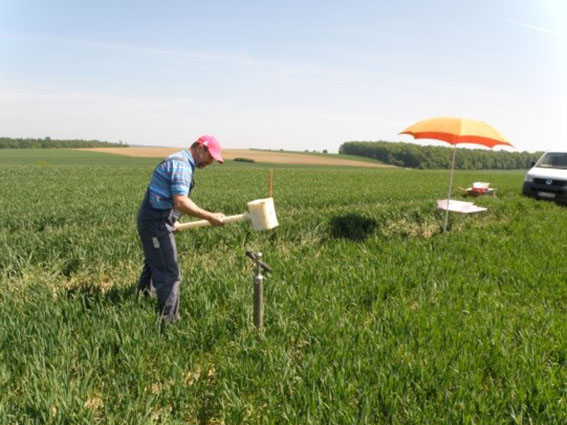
x=553 y=160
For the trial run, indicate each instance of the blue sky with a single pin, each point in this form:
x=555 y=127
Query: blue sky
x=294 y=74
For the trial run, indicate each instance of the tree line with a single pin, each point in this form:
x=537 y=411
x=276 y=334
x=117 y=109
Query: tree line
x=47 y=142
x=434 y=157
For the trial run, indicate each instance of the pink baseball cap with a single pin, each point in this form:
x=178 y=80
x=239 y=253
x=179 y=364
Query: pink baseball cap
x=212 y=145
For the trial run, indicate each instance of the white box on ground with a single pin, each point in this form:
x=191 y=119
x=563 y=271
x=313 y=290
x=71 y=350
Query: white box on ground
x=480 y=185
x=459 y=206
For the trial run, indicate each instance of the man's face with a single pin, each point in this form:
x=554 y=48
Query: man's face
x=203 y=157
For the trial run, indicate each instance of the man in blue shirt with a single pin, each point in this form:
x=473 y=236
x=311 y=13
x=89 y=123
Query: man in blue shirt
x=166 y=197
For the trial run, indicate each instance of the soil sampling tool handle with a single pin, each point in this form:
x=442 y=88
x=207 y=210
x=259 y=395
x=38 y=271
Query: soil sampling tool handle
x=204 y=223
x=259 y=263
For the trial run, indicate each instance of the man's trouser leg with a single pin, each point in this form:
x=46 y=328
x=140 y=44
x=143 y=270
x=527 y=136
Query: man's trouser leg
x=160 y=253
x=145 y=280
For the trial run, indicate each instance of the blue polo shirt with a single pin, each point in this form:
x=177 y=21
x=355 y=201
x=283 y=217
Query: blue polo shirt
x=174 y=176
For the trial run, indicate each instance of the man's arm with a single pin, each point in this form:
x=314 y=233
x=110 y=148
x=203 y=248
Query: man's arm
x=187 y=206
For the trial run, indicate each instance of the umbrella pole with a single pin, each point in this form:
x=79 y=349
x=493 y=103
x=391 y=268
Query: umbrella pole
x=450 y=185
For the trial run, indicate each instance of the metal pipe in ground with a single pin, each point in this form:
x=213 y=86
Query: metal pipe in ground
x=258 y=287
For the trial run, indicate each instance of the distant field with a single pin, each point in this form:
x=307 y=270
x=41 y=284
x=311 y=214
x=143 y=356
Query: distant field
x=257 y=155
x=45 y=157
x=372 y=315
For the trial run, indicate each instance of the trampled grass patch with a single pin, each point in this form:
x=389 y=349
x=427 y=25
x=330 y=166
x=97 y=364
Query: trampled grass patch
x=403 y=325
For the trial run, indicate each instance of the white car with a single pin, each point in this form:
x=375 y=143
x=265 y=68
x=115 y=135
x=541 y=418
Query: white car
x=547 y=179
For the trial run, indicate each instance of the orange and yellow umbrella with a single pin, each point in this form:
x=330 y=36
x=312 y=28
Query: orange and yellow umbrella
x=455 y=131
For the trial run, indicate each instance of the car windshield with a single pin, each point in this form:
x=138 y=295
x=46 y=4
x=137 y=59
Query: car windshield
x=553 y=160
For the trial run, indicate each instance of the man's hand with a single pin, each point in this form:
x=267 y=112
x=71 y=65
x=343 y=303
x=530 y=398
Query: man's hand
x=216 y=219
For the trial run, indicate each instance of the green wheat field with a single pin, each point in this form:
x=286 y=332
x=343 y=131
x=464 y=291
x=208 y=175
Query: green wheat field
x=373 y=315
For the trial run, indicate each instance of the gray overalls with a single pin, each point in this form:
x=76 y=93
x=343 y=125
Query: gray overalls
x=155 y=227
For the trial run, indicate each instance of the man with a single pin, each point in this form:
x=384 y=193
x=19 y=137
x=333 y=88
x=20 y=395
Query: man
x=166 y=197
